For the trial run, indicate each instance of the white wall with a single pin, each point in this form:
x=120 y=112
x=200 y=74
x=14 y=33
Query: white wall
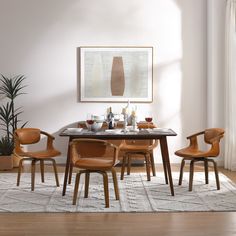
x=215 y=72
x=39 y=39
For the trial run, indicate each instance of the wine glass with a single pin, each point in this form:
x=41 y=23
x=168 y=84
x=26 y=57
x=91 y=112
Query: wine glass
x=89 y=121
x=148 y=119
x=116 y=119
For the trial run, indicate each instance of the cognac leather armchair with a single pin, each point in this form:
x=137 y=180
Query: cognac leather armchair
x=136 y=148
x=88 y=155
x=28 y=136
x=141 y=148
x=194 y=154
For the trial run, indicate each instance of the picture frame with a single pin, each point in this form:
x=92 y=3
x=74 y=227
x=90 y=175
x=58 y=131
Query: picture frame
x=115 y=74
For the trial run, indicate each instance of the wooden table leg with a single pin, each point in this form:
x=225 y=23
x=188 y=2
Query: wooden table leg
x=67 y=168
x=165 y=156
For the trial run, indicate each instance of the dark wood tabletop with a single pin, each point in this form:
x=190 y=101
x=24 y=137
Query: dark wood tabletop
x=118 y=133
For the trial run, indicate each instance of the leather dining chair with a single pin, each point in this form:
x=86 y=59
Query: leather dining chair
x=194 y=154
x=29 y=136
x=88 y=155
x=134 y=149
x=137 y=148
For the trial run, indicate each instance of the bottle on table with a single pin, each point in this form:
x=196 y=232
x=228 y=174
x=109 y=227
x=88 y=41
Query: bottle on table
x=110 y=119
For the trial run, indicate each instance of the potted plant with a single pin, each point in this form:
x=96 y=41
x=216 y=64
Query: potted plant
x=9 y=118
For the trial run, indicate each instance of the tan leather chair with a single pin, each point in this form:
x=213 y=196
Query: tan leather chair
x=194 y=154
x=133 y=149
x=28 y=136
x=88 y=155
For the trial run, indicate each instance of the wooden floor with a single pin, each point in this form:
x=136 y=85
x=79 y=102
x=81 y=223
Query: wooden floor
x=165 y=224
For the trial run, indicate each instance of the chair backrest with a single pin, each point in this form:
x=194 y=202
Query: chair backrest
x=88 y=148
x=27 y=135
x=213 y=134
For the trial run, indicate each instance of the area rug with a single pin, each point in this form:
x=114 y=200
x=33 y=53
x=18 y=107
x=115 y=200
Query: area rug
x=136 y=195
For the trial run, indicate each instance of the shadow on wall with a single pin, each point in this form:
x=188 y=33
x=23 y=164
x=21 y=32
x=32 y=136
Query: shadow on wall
x=44 y=118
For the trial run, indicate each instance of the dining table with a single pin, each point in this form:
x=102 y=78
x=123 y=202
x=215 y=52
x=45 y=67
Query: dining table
x=160 y=134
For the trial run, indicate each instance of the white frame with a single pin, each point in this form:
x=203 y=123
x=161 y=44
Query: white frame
x=82 y=75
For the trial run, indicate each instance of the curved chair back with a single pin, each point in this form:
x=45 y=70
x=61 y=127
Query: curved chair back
x=27 y=135
x=214 y=134
x=89 y=148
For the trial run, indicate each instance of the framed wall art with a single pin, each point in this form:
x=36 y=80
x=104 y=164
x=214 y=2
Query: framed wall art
x=115 y=74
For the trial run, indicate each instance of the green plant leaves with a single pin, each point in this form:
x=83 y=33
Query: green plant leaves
x=6 y=146
x=10 y=88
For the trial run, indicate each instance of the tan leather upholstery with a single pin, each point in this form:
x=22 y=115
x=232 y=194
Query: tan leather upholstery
x=192 y=152
x=28 y=136
x=87 y=154
x=130 y=149
x=146 y=151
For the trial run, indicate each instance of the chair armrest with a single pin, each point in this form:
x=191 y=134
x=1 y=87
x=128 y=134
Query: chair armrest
x=193 y=140
x=49 y=140
x=47 y=134
x=116 y=152
x=196 y=134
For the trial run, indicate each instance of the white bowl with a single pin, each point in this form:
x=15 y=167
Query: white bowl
x=98 y=118
x=97 y=125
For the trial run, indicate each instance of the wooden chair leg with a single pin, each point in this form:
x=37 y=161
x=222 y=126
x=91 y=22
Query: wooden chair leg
x=19 y=172
x=55 y=171
x=147 y=160
x=123 y=167
x=86 y=190
x=70 y=173
x=32 y=174
x=206 y=171
x=106 y=193
x=129 y=165
x=153 y=164
x=191 y=175
x=115 y=183
x=216 y=174
x=77 y=178
x=181 y=172
x=42 y=170
x=165 y=169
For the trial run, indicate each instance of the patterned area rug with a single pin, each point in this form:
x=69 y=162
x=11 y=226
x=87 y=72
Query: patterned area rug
x=136 y=195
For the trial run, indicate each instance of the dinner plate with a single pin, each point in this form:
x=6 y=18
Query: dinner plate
x=161 y=129
x=113 y=131
x=74 y=129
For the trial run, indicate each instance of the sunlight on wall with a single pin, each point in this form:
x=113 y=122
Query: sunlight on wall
x=47 y=50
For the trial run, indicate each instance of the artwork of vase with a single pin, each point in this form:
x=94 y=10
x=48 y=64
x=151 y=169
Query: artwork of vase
x=117 y=77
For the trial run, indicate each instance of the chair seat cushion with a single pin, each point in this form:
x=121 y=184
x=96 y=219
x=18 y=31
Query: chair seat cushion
x=42 y=154
x=134 y=148
x=191 y=153
x=94 y=163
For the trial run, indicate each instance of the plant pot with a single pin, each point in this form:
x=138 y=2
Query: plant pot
x=16 y=160
x=6 y=162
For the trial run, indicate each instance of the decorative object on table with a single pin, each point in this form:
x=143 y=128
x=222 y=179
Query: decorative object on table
x=117 y=77
x=29 y=136
x=193 y=153
x=115 y=74
x=10 y=88
x=134 y=118
x=87 y=155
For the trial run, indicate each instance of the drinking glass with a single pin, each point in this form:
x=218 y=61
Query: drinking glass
x=89 y=121
x=116 y=119
x=148 y=119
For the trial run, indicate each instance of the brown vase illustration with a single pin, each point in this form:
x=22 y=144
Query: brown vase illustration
x=117 y=77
